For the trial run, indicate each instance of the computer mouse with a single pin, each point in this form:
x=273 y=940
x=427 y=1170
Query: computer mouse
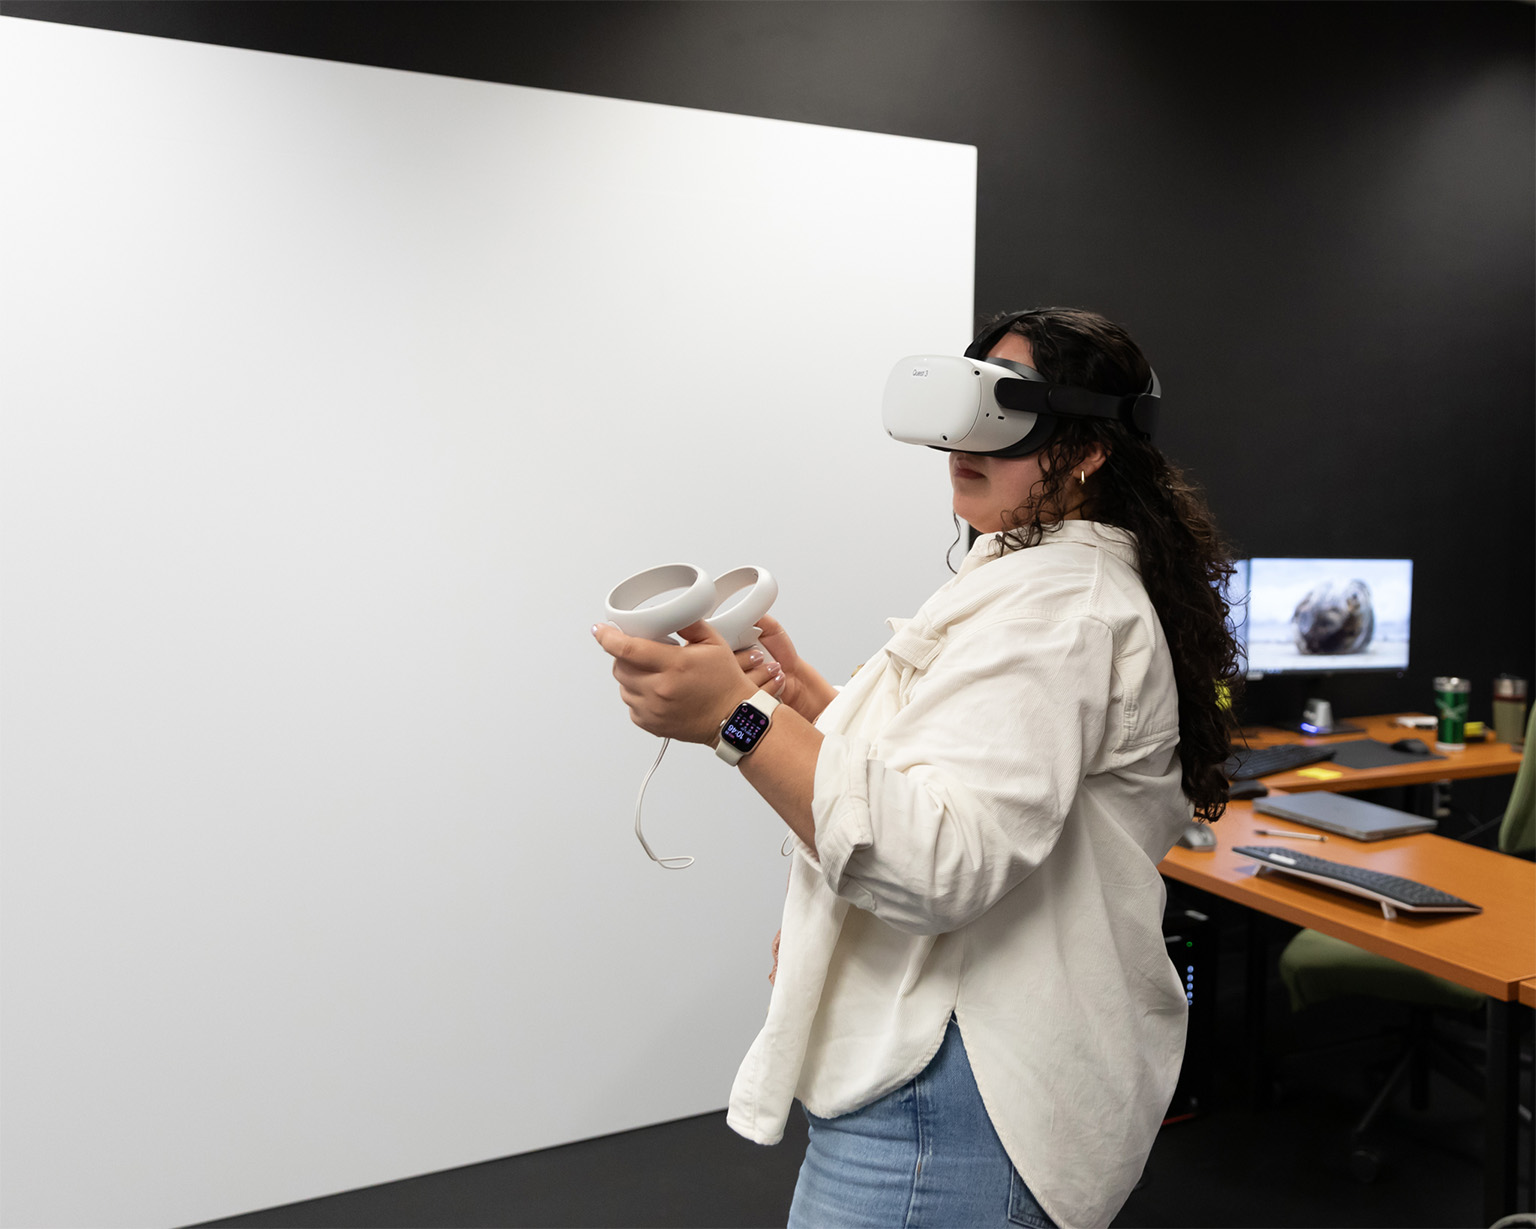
x=1241 y=791
x=1197 y=836
x=1411 y=746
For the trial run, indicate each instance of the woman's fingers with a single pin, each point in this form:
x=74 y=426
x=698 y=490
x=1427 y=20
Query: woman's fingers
x=770 y=679
x=646 y=655
x=680 y=690
x=750 y=659
x=762 y=670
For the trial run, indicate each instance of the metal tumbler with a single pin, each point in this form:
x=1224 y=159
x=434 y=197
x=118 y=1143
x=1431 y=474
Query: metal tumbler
x=1509 y=709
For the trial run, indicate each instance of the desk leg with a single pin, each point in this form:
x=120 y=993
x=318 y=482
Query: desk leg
x=1502 y=1112
x=1256 y=1012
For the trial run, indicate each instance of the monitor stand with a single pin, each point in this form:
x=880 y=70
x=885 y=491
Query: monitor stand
x=1317 y=720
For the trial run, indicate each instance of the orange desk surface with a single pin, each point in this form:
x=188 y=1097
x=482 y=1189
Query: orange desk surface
x=1528 y=992
x=1485 y=759
x=1491 y=952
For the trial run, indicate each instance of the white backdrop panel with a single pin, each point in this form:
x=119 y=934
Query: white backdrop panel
x=335 y=400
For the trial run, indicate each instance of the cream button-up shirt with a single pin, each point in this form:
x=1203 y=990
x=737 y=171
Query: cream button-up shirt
x=994 y=792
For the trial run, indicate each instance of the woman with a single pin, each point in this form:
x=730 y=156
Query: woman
x=973 y=1000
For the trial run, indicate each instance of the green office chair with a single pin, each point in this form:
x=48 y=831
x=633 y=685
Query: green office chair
x=1316 y=968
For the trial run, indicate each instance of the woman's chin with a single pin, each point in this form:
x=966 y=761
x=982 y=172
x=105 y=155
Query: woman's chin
x=979 y=521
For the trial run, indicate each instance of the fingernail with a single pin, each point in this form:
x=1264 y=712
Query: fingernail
x=774 y=669
x=754 y=658
x=595 y=626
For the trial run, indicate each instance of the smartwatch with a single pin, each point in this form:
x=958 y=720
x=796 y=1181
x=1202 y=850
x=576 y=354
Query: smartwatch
x=745 y=727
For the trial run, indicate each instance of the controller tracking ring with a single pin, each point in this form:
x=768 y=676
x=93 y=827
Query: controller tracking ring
x=658 y=622
x=736 y=623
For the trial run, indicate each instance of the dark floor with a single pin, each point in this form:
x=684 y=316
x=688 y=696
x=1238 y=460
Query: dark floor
x=1230 y=1165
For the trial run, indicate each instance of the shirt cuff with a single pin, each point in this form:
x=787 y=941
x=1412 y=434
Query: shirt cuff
x=840 y=811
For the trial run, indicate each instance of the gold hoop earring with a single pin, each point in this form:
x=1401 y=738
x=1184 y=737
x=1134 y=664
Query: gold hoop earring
x=1082 y=477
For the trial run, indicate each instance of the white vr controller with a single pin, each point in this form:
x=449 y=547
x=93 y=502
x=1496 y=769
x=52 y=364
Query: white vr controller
x=693 y=597
x=731 y=604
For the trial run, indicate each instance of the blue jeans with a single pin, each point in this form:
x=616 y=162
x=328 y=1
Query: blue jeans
x=922 y=1157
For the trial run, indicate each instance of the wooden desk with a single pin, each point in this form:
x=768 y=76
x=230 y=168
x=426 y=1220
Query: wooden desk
x=1493 y=952
x=1485 y=759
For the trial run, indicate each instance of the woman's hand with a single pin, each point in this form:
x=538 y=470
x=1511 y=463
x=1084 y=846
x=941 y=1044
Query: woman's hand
x=762 y=665
x=677 y=691
x=797 y=683
x=685 y=691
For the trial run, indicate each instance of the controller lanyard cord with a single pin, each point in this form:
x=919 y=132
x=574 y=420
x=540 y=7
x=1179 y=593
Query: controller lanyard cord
x=673 y=863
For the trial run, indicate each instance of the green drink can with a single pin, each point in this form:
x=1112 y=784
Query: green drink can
x=1453 y=699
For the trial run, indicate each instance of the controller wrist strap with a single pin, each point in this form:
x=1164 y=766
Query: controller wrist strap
x=670 y=863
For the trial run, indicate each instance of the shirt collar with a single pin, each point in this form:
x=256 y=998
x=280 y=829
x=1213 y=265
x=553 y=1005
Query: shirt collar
x=1118 y=542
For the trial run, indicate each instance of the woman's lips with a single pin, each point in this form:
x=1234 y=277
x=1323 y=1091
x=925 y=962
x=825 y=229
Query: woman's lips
x=962 y=470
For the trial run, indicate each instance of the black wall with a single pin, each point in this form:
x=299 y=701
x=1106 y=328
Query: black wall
x=1317 y=219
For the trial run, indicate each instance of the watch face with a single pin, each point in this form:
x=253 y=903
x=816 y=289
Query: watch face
x=745 y=726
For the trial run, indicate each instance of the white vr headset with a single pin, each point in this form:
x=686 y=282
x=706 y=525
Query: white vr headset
x=994 y=407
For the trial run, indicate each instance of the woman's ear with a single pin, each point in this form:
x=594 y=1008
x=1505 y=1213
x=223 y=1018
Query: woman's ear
x=1092 y=460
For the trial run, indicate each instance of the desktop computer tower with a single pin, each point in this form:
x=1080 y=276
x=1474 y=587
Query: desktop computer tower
x=1190 y=937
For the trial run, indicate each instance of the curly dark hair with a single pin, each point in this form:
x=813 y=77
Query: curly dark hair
x=1183 y=560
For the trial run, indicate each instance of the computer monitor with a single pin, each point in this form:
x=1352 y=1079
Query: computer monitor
x=1322 y=617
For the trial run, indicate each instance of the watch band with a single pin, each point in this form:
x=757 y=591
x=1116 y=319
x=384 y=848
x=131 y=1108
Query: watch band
x=745 y=727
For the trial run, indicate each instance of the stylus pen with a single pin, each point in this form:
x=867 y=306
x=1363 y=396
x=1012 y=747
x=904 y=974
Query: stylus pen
x=1296 y=836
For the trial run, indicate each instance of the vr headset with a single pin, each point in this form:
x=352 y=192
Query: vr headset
x=996 y=408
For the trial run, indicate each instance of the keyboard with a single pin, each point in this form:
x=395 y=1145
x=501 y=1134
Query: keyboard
x=1245 y=764
x=1391 y=892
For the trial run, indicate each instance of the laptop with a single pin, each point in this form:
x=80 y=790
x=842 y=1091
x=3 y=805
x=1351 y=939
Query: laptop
x=1342 y=815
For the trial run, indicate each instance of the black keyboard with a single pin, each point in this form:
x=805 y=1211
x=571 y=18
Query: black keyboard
x=1243 y=765
x=1392 y=892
